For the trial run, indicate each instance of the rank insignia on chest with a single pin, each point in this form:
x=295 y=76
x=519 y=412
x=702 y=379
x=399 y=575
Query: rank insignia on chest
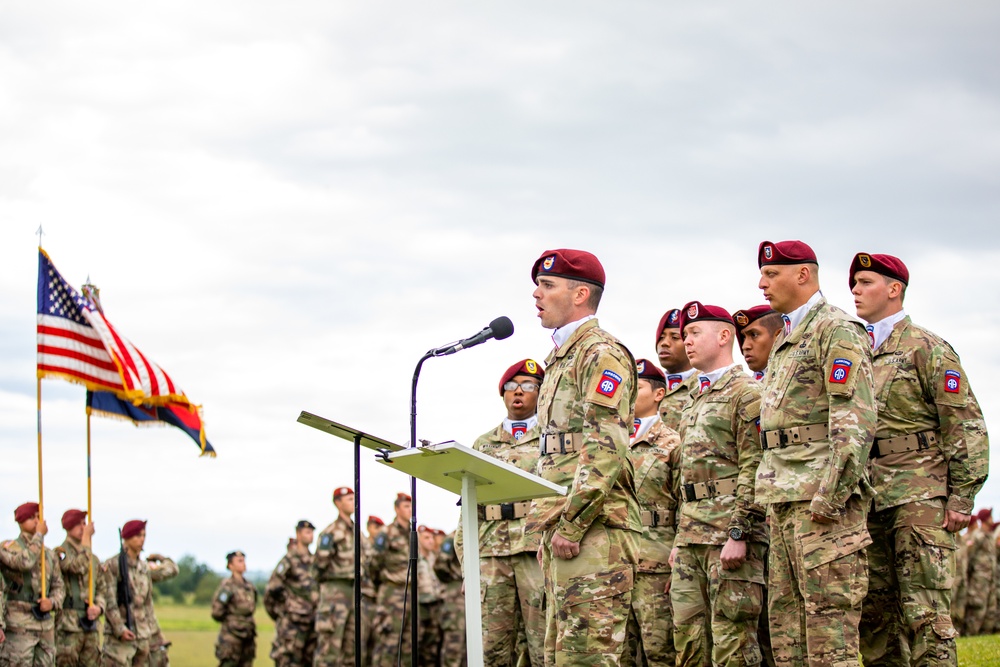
x=952 y=382
x=673 y=381
x=841 y=371
x=518 y=429
x=609 y=383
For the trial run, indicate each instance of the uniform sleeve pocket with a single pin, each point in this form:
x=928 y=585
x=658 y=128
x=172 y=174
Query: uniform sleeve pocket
x=592 y=610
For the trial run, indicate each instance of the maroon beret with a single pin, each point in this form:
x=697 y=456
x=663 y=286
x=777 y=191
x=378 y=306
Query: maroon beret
x=747 y=316
x=785 y=252
x=885 y=265
x=524 y=367
x=646 y=369
x=573 y=264
x=133 y=528
x=670 y=320
x=984 y=514
x=374 y=519
x=342 y=491
x=403 y=497
x=25 y=512
x=72 y=518
x=693 y=311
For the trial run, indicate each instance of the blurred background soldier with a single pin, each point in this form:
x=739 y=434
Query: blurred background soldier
x=429 y=590
x=673 y=358
x=128 y=595
x=448 y=569
x=959 y=589
x=369 y=604
x=388 y=568
x=30 y=623
x=78 y=641
x=655 y=456
x=982 y=554
x=161 y=568
x=333 y=569
x=290 y=599
x=233 y=605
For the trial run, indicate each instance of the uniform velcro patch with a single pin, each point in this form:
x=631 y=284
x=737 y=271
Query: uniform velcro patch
x=841 y=370
x=952 y=382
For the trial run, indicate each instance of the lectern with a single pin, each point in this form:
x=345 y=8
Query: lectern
x=478 y=478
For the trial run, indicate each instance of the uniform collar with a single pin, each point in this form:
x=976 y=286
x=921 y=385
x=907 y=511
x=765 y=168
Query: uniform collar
x=880 y=331
x=796 y=316
x=645 y=423
x=563 y=333
x=711 y=377
x=529 y=423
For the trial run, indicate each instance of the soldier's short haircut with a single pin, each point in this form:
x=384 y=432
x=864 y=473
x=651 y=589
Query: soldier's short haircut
x=655 y=384
x=771 y=321
x=902 y=292
x=596 y=291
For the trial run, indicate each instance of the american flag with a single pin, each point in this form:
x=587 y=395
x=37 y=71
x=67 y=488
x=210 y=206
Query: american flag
x=77 y=343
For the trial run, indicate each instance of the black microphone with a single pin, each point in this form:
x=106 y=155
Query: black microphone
x=499 y=328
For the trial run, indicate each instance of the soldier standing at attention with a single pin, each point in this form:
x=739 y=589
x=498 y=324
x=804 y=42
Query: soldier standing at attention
x=29 y=620
x=290 y=598
x=818 y=420
x=388 y=567
x=982 y=554
x=448 y=569
x=756 y=330
x=655 y=455
x=368 y=592
x=233 y=605
x=930 y=458
x=673 y=358
x=77 y=636
x=429 y=592
x=589 y=548
x=126 y=642
x=718 y=559
x=508 y=559
x=333 y=569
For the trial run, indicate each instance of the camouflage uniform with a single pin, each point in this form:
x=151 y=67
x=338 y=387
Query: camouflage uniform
x=982 y=556
x=959 y=588
x=74 y=646
x=940 y=466
x=676 y=399
x=117 y=652
x=819 y=376
x=159 y=571
x=333 y=569
x=656 y=460
x=585 y=414
x=233 y=605
x=448 y=569
x=429 y=592
x=290 y=598
x=510 y=575
x=387 y=568
x=29 y=642
x=716 y=611
x=991 y=623
x=368 y=605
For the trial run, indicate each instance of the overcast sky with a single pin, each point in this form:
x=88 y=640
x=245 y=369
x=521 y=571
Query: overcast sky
x=286 y=204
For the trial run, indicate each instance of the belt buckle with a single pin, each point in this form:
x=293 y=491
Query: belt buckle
x=710 y=487
x=689 y=494
x=491 y=513
x=922 y=441
x=783 y=439
x=656 y=518
x=507 y=511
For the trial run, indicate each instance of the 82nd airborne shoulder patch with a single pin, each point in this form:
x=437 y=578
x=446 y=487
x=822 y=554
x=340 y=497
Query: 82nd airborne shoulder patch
x=841 y=370
x=952 y=382
x=609 y=383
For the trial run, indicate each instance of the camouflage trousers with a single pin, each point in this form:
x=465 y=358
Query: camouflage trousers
x=716 y=611
x=232 y=651
x=391 y=629
x=118 y=653
x=818 y=576
x=78 y=649
x=29 y=648
x=453 y=648
x=651 y=627
x=429 y=638
x=906 y=616
x=159 y=651
x=368 y=609
x=588 y=598
x=294 y=642
x=335 y=624
x=512 y=584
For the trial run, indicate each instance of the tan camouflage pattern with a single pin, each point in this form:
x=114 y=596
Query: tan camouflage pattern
x=959 y=588
x=599 y=478
x=233 y=605
x=116 y=651
x=160 y=570
x=74 y=647
x=387 y=568
x=29 y=642
x=429 y=587
x=672 y=405
x=333 y=569
x=797 y=391
x=292 y=594
x=368 y=604
x=817 y=578
x=992 y=621
x=513 y=595
x=449 y=571
x=720 y=440
x=910 y=385
x=650 y=637
x=78 y=649
x=982 y=556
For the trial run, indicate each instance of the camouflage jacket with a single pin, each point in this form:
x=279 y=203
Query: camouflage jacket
x=921 y=386
x=20 y=567
x=159 y=571
x=720 y=440
x=335 y=552
x=141 y=585
x=233 y=605
x=367 y=585
x=982 y=558
x=75 y=563
x=447 y=566
x=676 y=400
x=589 y=389
x=3 y=606
x=656 y=461
x=821 y=373
x=505 y=537
x=429 y=588
x=291 y=591
x=390 y=556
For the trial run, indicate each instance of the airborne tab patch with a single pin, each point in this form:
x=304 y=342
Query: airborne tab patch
x=841 y=370
x=609 y=383
x=518 y=429
x=952 y=382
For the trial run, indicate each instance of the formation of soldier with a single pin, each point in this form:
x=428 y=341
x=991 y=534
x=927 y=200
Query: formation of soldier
x=54 y=599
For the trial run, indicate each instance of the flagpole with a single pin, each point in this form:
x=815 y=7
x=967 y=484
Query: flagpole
x=41 y=501
x=90 y=518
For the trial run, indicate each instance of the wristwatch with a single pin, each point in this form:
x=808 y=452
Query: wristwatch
x=736 y=534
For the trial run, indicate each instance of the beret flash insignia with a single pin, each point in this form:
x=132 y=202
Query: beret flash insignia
x=693 y=310
x=548 y=263
x=531 y=366
x=768 y=252
x=741 y=318
x=865 y=260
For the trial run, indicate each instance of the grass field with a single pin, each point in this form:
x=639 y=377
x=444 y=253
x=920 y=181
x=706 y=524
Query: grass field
x=193 y=632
